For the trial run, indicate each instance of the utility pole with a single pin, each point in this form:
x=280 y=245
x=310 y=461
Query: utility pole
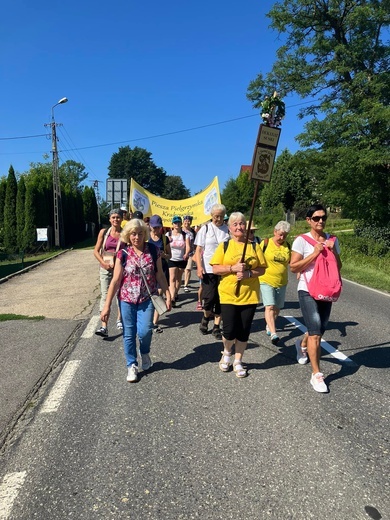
x=58 y=216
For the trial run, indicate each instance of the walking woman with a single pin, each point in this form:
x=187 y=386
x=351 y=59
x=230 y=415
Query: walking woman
x=180 y=249
x=316 y=313
x=158 y=239
x=107 y=245
x=237 y=310
x=273 y=283
x=135 y=303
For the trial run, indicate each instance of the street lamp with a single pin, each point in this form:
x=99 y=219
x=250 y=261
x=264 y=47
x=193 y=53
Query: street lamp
x=58 y=218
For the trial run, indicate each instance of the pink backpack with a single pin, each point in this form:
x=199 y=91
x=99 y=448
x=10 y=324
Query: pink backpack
x=325 y=284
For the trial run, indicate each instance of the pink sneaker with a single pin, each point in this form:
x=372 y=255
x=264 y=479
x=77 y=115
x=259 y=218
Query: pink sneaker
x=199 y=306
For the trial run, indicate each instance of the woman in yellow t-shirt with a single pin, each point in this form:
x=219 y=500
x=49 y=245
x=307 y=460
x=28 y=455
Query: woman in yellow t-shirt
x=273 y=283
x=237 y=310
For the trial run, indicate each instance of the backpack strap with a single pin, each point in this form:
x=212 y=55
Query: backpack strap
x=164 y=241
x=226 y=245
x=154 y=252
x=313 y=242
x=107 y=234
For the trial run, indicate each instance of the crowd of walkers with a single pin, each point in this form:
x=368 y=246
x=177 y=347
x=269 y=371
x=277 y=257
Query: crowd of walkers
x=143 y=264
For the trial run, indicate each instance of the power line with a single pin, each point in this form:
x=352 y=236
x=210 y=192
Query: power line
x=150 y=136
x=22 y=137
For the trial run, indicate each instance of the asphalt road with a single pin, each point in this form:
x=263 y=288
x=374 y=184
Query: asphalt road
x=190 y=442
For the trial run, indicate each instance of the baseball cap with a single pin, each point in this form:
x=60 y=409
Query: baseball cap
x=176 y=219
x=138 y=214
x=155 y=221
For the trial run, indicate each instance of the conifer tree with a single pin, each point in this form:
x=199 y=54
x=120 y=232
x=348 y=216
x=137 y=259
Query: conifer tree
x=20 y=212
x=10 y=237
x=3 y=187
x=30 y=208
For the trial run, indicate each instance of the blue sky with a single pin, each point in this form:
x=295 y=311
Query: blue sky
x=134 y=70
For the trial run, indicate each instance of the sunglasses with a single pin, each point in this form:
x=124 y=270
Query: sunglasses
x=321 y=217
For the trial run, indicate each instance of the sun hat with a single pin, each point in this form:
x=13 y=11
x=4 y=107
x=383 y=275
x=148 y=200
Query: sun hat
x=176 y=219
x=155 y=221
x=138 y=214
x=252 y=225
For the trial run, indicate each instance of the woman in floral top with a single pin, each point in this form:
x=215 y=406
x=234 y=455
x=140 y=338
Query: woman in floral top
x=135 y=303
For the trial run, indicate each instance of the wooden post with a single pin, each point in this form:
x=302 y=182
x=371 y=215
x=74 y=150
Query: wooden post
x=266 y=144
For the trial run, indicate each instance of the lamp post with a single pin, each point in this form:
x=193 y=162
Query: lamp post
x=58 y=218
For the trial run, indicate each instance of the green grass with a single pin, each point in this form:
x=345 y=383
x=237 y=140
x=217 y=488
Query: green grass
x=9 y=317
x=8 y=267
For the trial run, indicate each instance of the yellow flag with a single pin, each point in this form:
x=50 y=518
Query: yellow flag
x=198 y=207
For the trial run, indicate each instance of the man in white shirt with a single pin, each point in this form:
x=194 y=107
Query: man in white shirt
x=207 y=240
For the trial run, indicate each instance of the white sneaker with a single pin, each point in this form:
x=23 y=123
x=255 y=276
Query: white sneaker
x=301 y=353
x=132 y=374
x=317 y=382
x=146 y=362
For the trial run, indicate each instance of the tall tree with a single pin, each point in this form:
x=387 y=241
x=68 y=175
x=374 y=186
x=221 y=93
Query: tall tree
x=335 y=52
x=10 y=237
x=90 y=207
x=174 y=188
x=72 y=173
x=137 y=163
x=293 y=184
x=31 y=208
x=237 y=194
x=3 y=188
x=20 y=212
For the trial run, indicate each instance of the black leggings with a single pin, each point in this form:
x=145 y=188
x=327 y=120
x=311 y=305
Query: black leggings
x=237 y=321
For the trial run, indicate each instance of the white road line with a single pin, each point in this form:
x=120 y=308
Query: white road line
x=324 y=344
x=62 y=384
x=91 y=327
x=9 y=490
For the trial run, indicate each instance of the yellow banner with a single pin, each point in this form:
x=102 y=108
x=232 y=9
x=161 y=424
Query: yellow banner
x=198 y=207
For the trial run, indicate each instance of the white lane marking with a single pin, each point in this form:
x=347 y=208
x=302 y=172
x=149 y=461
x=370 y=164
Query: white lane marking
x=324 y=344
x=91 y=327
x=62 y=384
x=9 y=490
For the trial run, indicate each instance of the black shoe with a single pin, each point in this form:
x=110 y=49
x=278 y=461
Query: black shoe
x=216 y=332
x=173 y=303
x=204 y=324
x=102 y=332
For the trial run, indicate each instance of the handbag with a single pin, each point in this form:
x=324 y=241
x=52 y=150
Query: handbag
x=158 y=301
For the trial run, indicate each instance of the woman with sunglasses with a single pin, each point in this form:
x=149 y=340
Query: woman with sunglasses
x=315 y=312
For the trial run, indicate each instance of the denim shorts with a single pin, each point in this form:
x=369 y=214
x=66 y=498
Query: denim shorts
x=273 y=295
x=315 y=313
